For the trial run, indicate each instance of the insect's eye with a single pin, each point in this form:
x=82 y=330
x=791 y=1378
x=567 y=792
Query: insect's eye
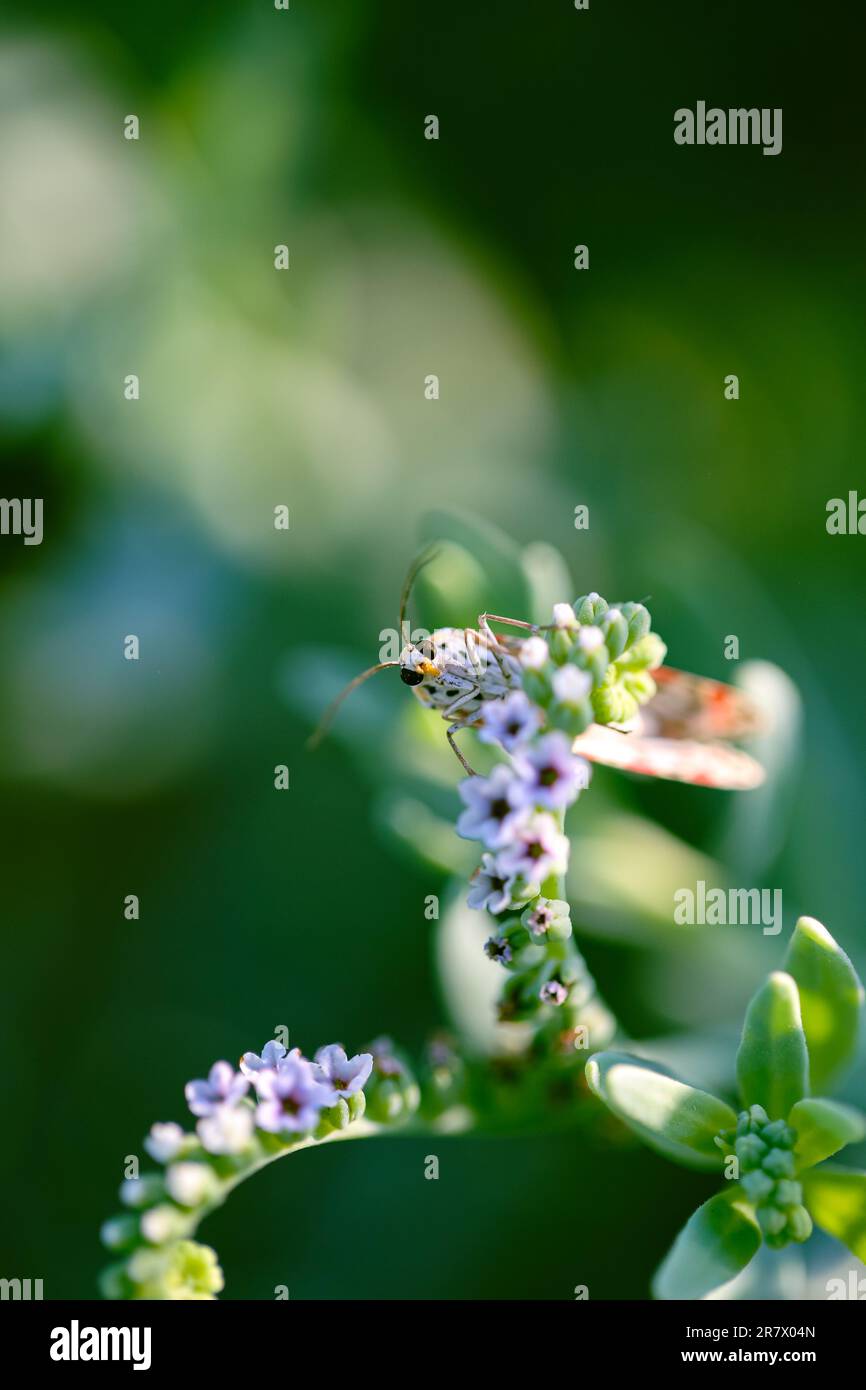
x=426 y=649
x=409 y=677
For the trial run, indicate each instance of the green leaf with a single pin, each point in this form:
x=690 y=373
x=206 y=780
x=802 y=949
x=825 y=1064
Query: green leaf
x=831 y=999
x=676 y=1119
x=715 y=1244
x=823 y=1128
x=479 y=570
x=773 y=1062
x=836 y=1198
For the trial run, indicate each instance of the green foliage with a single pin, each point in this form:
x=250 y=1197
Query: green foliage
x=770 y=1150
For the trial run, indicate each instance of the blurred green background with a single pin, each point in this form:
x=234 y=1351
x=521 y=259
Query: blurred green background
x=558 y=387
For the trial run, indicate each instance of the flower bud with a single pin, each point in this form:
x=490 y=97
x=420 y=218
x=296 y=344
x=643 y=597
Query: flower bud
x=779 y=1163
x=749 y=1150
x=799 y=1224
x=118 y=1232
x=788 y=1193
x=757 y=1186
x=590 y=608
x=646 y=655
x=190 y=1184
x=163 y=1223
x=771 y=1220
x=638 y=619
x=141 y=1192
x=615 y=629
x=357 y=1104
x=779 y=1135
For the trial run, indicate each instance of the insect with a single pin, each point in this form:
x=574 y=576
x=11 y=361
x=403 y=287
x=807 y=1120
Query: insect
x=681 y=734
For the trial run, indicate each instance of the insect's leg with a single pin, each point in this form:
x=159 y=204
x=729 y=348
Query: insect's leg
x=485 y=619
x=463 y=699
x=449 y=733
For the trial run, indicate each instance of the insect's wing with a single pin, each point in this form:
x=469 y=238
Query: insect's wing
x=687 y=706
x=678 y=735
x=676 y=759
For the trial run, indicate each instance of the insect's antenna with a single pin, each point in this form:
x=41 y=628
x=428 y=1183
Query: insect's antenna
x=417 y=565
x=327 y=718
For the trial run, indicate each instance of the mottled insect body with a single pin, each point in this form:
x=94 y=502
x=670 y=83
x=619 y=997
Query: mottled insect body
x=681 y=733
x=455 y=670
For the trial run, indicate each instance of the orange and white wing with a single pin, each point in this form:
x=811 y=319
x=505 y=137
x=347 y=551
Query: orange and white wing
x=678 y=735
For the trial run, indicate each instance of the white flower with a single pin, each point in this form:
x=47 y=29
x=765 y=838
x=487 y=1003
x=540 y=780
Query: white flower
x=589 y=639
x=189 y=1184
x=162 y=1223
x=570 y=684
x=534 y=653
x=164 y=1141
x=489 y=889
x=510 y=721
x=227 y=1131
x=550 y=774
x=491 y=806
x=273 y=1053
x=564 y=615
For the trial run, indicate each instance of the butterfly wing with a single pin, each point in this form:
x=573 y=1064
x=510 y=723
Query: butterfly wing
x=678 y=735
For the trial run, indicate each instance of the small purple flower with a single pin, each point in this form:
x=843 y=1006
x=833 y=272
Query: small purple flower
x=273 y=1053
x=497 y=948
x=346 y=1074
x=544 y=912
x=491 y=807
x=553 y=993
x=538 y=849
x=290 y=1099
x=509 y=722
x=550 y=774
x=224 y=1086
x=385 y=1060
x=489 y=888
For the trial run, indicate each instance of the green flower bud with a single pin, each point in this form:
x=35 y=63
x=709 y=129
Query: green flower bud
x=640 y=685
x=536 y=684
x=571 y=719
x=336 y=1117
x=115 y=1283
x=771 y=1220
x=638 y=619
x=779 y=1163
x=560 y=642
x=385 y=1104
x=357 y=1105
x=749 y=1150
x=787 y=1193
x=590 y=608
x=758 y=1117
x=757 y=1186
x=647 y=653
x=613 y=705
x=779 y=1135
x=799 y=1224
x=119 y=1232
x=141 y=1192
x=615 y=629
